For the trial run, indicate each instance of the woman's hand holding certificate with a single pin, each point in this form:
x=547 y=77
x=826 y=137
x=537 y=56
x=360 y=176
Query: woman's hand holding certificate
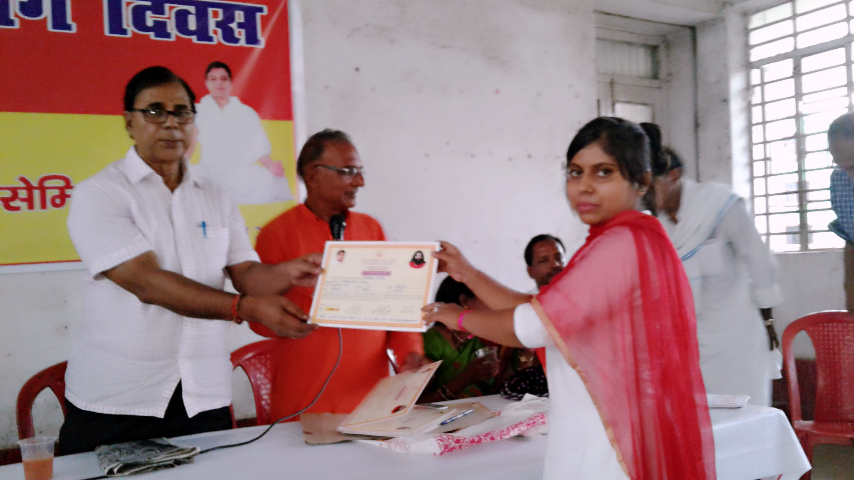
x=374 y=285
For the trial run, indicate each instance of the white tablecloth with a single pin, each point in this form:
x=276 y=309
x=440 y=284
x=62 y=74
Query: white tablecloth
x=751 y=442
x=756 y=442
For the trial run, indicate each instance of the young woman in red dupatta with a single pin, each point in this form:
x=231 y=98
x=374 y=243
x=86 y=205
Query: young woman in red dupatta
x=618 y=325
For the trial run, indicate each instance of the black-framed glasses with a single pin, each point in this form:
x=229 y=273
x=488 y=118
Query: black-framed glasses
x=348 y=172
x=159 y=115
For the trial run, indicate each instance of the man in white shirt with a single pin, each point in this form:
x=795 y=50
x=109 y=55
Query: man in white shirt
x=235 y=148
x=157 y=243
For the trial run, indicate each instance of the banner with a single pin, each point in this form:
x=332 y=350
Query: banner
x=64 y=70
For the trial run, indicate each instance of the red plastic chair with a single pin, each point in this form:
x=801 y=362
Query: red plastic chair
x=52 y=378
x=832 y=336
x=256 y=359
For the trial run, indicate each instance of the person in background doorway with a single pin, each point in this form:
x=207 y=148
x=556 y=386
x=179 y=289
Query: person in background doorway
x=840 y=140
x=733 y=279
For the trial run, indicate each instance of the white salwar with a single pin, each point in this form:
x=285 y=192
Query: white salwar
x=732 y=276
x=232 y=140
x=578 y=447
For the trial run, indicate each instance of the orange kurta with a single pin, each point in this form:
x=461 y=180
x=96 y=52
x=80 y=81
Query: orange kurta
x=301 y=366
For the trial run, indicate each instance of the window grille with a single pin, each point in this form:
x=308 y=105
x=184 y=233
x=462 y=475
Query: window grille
x=626 y=59
x=800 y=59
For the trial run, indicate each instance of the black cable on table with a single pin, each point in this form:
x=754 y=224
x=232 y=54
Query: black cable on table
x=316 y=398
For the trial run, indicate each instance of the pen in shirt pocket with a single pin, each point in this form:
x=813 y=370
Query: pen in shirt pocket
x=204 y=229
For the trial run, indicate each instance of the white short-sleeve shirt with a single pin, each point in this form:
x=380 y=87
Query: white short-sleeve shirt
x=130 y=356
x=578 y=446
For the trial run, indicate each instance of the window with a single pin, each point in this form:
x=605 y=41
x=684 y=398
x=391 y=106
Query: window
x=626 y=59
x=800 y=56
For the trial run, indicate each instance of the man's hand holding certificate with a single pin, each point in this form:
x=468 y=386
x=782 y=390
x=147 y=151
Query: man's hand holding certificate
x=374 y=285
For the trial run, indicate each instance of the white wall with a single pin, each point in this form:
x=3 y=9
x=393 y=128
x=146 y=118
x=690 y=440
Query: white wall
x=680 y=85
x=462 y=112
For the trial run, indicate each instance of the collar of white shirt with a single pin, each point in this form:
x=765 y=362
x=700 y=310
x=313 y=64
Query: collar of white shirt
x=135 y=169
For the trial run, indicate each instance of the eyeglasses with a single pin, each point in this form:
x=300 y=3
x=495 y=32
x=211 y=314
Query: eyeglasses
x=159 y=115
x=348 y=172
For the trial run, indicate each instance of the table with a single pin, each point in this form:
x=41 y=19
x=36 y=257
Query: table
x=756 y=442
x=751 y=442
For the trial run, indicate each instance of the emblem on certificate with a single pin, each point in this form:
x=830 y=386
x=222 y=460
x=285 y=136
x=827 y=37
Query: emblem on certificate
x=374 y=285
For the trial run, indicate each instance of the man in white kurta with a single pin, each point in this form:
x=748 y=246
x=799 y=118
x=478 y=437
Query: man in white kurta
x=733 y=276
x=235 y=150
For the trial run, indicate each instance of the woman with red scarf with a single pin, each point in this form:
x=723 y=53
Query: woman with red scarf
x=627 y=397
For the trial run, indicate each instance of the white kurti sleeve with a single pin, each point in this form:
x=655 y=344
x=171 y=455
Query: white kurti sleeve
x=529 y=328
x=752 y=253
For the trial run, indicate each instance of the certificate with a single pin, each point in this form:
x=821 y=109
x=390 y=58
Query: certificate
x=374 y=285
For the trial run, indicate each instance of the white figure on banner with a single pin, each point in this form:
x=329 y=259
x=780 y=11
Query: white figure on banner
x=235 y=148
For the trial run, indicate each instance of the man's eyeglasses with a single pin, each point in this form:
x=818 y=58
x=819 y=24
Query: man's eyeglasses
x=348 y=172
x=159 y=115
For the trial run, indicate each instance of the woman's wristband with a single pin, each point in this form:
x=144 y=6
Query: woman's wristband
x=235 y=304
x=460 y=321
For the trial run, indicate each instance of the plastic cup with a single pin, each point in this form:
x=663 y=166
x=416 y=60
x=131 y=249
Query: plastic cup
x=37 y=454
x=491 y=352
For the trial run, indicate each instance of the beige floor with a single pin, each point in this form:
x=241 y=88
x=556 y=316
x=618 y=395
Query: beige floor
x=832 y=462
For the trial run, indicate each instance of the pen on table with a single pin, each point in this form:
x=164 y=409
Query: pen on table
x=455 y=417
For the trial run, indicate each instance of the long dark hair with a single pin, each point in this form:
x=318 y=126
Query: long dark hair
x=623 y=140
x=450 y=290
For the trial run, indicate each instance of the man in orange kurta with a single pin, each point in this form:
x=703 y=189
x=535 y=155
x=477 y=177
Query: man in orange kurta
x=332 y=171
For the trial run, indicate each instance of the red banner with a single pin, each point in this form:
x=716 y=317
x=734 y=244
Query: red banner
x=65 y=64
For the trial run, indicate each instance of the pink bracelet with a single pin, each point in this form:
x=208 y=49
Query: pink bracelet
x=460 y=321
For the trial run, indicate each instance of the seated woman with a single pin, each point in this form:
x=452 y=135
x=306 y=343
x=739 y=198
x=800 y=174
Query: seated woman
x=627 y=396
x=462 y=373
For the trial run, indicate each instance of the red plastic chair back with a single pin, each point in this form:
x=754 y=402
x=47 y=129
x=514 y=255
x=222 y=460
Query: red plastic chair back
x=52 y=378
x=256 y=359
x=832 y=336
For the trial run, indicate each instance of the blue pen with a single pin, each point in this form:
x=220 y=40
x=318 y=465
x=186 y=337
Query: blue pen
x=455 y=417
x=204 y=229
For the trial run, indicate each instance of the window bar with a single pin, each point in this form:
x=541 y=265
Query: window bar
x=800 y=150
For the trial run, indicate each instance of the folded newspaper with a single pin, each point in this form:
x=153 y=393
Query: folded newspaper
x=142 y=456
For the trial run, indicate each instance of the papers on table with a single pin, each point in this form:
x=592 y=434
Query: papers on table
x=374 y=285
x=389 y=410
x=727 y=401
x=142 y=456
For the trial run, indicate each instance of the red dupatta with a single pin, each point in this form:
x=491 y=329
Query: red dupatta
x=622 y=315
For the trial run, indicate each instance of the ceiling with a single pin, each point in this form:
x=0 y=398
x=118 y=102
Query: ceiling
x=675 y=12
